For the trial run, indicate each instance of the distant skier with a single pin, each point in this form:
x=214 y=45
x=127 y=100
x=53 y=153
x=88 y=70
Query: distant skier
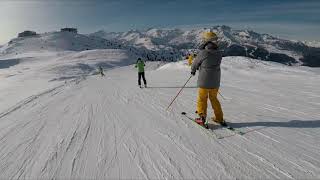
x=140 y=65
x=190 y=59
x=208 y=63
x=101 y=71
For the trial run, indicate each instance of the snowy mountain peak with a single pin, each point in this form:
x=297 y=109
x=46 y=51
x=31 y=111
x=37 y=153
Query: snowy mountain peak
x=233 y=43
x=315 y=44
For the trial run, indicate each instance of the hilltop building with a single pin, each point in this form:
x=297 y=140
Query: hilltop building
x=73 y=30
x=27 y=34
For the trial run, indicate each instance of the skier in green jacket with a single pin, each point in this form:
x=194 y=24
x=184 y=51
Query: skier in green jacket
x=140 y=65
x=101 y=71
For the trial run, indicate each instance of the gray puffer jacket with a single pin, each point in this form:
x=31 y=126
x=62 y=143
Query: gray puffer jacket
x=208 y=63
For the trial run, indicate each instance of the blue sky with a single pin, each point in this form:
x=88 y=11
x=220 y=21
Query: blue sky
x=285 y=18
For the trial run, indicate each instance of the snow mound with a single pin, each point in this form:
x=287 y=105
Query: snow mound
x=55 y=42
x=180 y=65
x=87 y=62
x=245 y=65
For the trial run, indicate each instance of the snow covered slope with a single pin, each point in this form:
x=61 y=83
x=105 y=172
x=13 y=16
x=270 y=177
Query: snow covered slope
x=108 y=128
x=23 y=76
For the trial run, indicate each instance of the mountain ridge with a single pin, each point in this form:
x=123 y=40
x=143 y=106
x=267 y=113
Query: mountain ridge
x=173 y=44
x=233 y=42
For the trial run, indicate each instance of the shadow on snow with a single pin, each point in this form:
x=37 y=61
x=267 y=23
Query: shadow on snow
x=168 y=87
x=289 y=124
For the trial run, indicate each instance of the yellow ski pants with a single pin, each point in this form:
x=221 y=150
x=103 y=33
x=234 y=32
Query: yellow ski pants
x=203 y=95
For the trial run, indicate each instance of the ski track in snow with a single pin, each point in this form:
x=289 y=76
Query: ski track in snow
x=107 y=127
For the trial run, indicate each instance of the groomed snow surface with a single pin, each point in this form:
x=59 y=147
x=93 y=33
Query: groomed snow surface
x=59 y=120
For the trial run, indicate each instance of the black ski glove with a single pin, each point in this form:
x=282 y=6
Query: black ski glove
x=193 y=73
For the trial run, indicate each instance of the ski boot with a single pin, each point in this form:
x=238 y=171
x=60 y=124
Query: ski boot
x=223 y=123
x=202 y=122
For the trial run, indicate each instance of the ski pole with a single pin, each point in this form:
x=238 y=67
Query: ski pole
x=221 y=96
x=179 y=93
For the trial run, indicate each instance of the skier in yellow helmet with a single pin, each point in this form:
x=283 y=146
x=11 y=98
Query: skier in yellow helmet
x=208 y=63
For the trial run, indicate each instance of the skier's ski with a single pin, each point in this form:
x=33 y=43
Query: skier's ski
x=228 y=127
x=197 y=121
x=205 y=126
x=142 y=87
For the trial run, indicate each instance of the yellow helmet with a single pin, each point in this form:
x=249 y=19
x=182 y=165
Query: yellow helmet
x=209 y=36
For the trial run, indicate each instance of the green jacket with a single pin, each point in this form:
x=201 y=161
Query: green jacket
x=140 y=65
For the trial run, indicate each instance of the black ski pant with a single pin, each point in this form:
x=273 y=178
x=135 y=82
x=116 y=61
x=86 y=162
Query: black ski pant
x=141 y=74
